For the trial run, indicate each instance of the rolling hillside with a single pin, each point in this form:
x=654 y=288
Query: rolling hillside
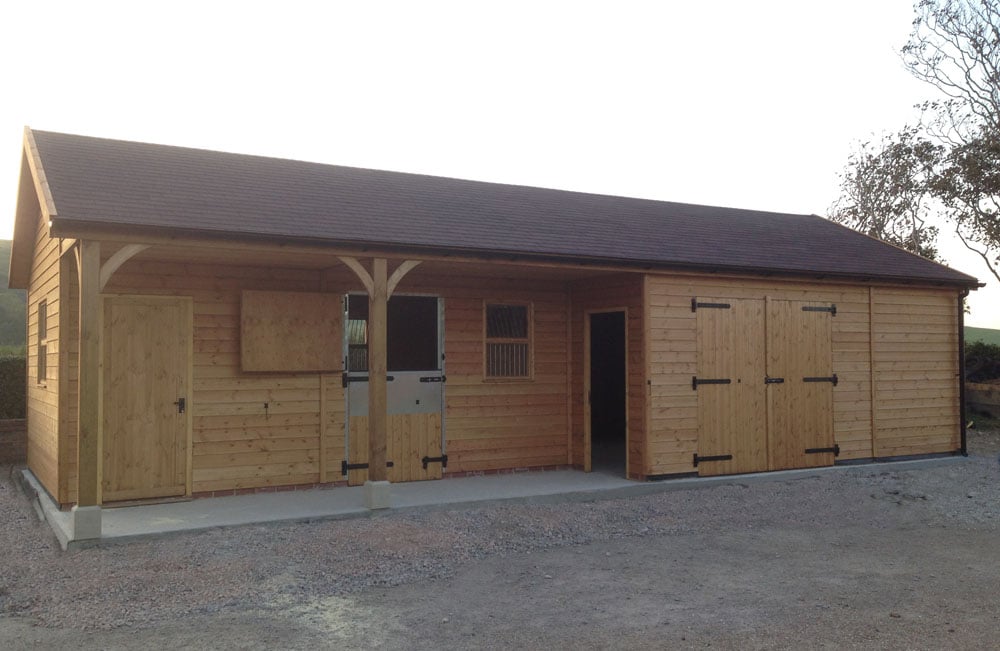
x=982 y=334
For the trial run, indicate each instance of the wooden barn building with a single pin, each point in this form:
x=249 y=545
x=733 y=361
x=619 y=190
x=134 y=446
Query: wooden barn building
x=203 y=323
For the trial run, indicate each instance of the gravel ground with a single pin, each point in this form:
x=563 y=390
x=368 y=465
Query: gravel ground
x=754 y=565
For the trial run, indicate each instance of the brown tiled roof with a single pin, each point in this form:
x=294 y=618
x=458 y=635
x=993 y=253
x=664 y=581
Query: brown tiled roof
x=128 y=184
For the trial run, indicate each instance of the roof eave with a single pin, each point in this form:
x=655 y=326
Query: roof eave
x=34 y=199
x=76 y=228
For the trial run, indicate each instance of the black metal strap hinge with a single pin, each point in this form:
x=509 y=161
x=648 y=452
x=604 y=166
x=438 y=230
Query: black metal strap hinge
x=832 y=379
x=832 y=309
x=347 y=379
x=443 y=460
x=695 y=381
x=719 y=306
x=717 y=457
x=344 y=466
x=835 y=450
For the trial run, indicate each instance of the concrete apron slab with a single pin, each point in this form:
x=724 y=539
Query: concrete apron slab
x=122 y=524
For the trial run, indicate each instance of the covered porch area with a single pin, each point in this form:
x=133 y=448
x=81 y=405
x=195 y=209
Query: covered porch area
x=509 y=395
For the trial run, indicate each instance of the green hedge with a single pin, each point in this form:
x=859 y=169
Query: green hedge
x=982 y=361
x=12 y=385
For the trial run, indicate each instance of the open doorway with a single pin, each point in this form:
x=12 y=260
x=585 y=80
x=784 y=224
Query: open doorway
x=607 y=392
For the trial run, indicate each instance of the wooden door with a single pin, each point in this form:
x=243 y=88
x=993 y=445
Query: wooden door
x=731 y=397
x=146 y=397
x=415 y=390
x=800 y=391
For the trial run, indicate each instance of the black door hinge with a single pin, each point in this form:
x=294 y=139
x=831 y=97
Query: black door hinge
x=695 y=381
x=443 y=460
x=832 y=379
x=832 y=309
x=717 y=457
x=719 y=306
x=344 y=466
x=347 y=379
x=835 y=450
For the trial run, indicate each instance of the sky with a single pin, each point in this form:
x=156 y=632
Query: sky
x=731 y=103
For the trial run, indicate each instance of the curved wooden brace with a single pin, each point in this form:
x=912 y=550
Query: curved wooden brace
x=397 y=275
x=120 y=257
x=360 y=271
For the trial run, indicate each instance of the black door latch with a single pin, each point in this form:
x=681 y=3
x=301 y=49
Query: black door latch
x=181 y=405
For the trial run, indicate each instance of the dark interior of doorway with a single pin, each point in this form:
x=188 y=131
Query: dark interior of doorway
x=607 y=392
x=411 y=333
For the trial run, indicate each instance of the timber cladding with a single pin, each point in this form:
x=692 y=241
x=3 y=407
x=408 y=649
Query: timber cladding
x=896 y=345
x=915 y=367
x=892 y=347
x=43 y=412
x=612 y=293
x=299 y=437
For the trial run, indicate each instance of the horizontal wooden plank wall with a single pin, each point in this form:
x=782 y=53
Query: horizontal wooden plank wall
x=43 y=398
x=916 y=371
x=238 y=444
x=492 y=424
x=622 y=290
x=673 y=428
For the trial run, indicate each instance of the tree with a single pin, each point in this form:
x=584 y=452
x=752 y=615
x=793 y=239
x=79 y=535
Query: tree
x=946 y=171
x=886 y=189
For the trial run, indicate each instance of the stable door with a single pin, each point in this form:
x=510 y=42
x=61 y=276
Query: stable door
x=415 y=388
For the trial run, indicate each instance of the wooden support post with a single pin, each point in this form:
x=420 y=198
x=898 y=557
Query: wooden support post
x=88 y=425
x=377 y=384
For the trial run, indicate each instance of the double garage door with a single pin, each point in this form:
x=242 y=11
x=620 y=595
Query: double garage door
x=765 y=385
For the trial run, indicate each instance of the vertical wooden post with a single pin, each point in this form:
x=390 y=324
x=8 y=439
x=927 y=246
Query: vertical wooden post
x=377 y=383
x=88 y=427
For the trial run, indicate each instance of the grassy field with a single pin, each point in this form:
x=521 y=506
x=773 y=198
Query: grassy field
x=982 y=334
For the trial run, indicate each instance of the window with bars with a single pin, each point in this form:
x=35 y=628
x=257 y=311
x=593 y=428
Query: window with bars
x=508 y=341
x=41 y=357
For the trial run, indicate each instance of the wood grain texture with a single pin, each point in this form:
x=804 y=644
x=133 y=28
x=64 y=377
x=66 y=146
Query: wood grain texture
x=672 y=350
x=144 y=373
x=289 y=331
x=801 y=412
x=732 y=418
x=617 y=291
x=915 y=370
x=43 y=405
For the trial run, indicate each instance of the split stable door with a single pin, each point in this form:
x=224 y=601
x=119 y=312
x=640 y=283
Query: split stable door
x=765 y=385
x=414 y=391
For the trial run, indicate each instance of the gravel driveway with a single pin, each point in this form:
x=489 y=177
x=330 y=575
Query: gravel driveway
x=864 y=557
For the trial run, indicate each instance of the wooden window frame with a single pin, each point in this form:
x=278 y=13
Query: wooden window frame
x=41 y=341
x=529 y=340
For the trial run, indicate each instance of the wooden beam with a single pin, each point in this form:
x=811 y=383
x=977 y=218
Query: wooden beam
x=377 y=385
x=120 y=257
x=404 y=268
x=88 y=423
x=360 y=271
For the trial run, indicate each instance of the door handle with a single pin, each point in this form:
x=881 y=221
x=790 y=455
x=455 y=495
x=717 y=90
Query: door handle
x=181 y=405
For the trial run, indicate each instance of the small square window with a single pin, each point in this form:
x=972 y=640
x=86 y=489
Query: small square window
x=508 y=341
